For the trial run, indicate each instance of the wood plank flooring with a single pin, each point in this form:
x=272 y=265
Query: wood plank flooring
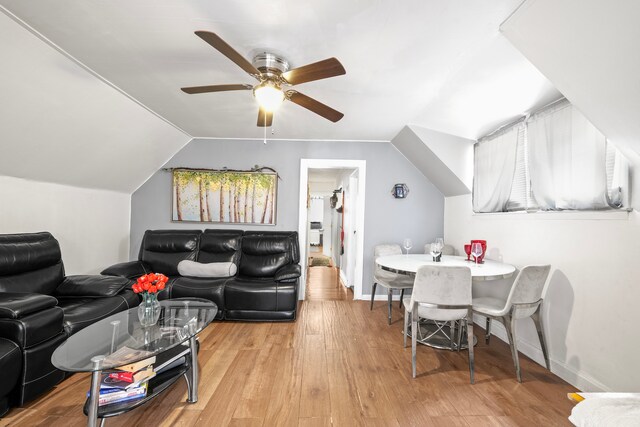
x=339 y=364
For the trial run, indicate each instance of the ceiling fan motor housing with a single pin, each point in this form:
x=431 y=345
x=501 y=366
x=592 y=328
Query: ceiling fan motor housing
x=270 y=64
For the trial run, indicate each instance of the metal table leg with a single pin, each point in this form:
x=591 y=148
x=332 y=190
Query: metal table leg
x=192 y=375
x=94 y=392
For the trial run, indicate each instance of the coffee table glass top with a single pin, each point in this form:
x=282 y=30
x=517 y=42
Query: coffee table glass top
x=121 y=340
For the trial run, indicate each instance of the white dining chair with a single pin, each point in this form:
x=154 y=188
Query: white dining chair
x=441 y=294
x=524 y=300
x=446 y=250
x=387 y=279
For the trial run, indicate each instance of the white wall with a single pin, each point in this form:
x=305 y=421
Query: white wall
x=92 y=226
x=591 y=303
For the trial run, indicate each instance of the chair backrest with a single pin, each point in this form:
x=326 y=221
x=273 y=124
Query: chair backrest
x=30 y=263
x=385 y=250
x=446 y=250
x=528 y=287
x=442 y=285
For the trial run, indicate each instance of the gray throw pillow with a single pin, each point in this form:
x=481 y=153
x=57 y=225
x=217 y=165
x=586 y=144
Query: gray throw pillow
x=189 y=268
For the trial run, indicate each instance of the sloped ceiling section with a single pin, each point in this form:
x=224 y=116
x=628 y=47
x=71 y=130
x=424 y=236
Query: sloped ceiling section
x=438 y=64
x=445 y=160
x=590 y=50
x=60 y=123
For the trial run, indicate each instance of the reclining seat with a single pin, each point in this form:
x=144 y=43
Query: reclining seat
x=160 y=252
x=40 y=307
x=215 y=246
x=266 y=287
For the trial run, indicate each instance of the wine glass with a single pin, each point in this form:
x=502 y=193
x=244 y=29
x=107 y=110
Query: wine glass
x=407 y=244
x=436 y=250
x=440 y=243
x=476 y=251
x=467 y=250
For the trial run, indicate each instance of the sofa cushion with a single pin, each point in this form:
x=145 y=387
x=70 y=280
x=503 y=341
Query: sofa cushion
x=196 y=287
x=82 y=312
x=30 y=262
x=291 y=235
x=243 y=293
x=162 y=250
x=263 y=255
x=91 y=286
x=220 y=246
x=189 y=268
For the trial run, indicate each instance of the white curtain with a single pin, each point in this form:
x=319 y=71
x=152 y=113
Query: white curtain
x=494 y=163
x=566 y=160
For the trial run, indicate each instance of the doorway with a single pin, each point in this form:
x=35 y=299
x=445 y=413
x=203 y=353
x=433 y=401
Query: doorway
x=331 y=220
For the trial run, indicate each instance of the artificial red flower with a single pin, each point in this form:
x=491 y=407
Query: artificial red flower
x=146 y=286
x=151 y=277
x=153 y=289
x=160 y=286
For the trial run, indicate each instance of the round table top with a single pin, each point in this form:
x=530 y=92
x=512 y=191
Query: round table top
x=408 y=264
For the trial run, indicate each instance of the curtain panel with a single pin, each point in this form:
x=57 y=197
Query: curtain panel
x=494 y=163
x=566 y=160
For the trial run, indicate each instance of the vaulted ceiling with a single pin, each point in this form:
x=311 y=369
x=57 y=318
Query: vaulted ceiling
x=438 y=64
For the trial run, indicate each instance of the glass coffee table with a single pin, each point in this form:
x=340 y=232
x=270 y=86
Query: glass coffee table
x=92 y=350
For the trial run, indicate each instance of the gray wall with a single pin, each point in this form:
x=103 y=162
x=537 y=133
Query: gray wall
x=420 y=216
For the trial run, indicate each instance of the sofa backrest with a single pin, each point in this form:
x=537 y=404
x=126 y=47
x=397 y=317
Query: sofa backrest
x=30 y=263
x=291 y=235
x=162 y=250
x=220 y=246
x=263 y=253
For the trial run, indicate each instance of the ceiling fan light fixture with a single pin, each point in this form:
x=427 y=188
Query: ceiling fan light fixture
x=269 y=95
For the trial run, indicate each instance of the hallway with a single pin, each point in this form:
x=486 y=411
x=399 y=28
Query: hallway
x=323 y=284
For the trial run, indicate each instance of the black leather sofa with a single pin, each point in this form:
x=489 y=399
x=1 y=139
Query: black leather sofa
x=40 y=307
x=264 y=288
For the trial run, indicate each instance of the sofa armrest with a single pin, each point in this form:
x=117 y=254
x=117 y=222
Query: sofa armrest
x=130 y=270
x=93 y=286
x=16 y=305
x=288 y=273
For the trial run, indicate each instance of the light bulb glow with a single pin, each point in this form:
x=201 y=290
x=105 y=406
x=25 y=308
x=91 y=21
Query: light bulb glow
x=269 y=96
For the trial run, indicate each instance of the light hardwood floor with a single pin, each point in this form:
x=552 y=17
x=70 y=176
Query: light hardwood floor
x=338 y=364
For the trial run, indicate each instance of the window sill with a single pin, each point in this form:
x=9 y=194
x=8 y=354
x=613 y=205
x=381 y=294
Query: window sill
x=617 y=215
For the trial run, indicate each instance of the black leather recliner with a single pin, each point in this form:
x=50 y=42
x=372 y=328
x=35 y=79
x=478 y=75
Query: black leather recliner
x=40 y=308
x=265 y=287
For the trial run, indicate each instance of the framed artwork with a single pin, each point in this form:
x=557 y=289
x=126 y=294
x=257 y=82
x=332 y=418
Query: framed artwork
x=230 y=197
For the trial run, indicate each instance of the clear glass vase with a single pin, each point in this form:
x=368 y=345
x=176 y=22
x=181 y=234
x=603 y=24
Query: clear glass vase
x=149 y=309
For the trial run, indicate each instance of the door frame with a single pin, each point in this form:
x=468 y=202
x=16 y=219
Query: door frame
x=305 y=165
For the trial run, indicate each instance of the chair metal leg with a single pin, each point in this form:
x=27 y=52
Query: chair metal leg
x=452 y=334
x=537 y=320
x=510 y=327
x=406 y=326
x=401 y=297
x=414 y=340
x=460 y=328
x=373 y=295
x=469 y=324
x=389 y=297
x=487 y=331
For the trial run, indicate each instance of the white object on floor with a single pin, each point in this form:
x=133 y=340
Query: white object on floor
x=607 y=410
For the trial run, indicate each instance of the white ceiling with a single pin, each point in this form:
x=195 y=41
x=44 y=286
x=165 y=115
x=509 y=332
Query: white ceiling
x=437 y=64
x=59 y=123
x=590 y=49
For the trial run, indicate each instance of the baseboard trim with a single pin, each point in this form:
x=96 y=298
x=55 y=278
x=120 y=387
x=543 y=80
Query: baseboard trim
x=580 y=380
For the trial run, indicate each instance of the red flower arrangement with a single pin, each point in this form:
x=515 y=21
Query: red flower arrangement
x=150 y=283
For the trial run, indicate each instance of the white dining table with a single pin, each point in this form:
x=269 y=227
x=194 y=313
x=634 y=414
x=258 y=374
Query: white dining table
x=408 y=265
x=439 y=334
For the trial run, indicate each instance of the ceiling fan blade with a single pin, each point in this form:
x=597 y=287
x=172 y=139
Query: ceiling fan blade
x=318 y=70
x=315 y=106
x=265 y=118
x=214 y=88
x=214 y=40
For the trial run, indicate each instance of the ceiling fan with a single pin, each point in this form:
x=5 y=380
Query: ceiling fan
x=275 y=78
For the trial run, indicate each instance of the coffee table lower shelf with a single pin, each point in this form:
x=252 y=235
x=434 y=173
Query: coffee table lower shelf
x=157 y=385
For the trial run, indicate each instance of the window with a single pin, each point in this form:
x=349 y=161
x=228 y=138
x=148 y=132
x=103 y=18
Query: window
x=554 y=160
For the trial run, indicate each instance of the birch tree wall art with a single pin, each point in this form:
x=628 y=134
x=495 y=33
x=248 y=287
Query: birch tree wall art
x=224 y=196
